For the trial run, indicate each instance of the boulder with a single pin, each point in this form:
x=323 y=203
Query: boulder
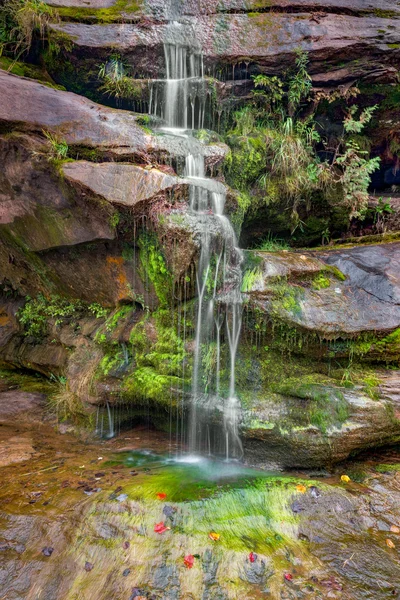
x=37 y=209
x=120 y=183
x=31 y=106
x=277 y=429
x=365 y=298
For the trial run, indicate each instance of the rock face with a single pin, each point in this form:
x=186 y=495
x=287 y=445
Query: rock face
x=119 y=183
x=367 y=300
x=263 y=36
x=59 y=219
x=275 y=432
x=31 y=106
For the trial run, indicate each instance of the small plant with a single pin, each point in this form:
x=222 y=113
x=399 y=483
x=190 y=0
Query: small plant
x=37 y=312
x=20 y=20
x=321 y=282
x=273 y=244
x=114 y=220
x=59 y=147
x=116 y=82
x=97 y=310
x=380 y=214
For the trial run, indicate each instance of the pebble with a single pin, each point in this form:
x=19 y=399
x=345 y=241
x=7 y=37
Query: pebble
x=47 y=551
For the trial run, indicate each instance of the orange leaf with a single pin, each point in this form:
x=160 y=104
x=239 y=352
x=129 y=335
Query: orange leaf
x=390 y=544
x=214 y=536
x=189 y=561
x=301 y=488
x=394 y=529
x=160 y=527
x=161 y=495
x=345 y=478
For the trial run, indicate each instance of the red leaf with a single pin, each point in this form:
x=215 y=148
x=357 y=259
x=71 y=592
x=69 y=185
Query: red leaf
x=161 y=495
x=160 y=527
x=252 y=557
x=288 y=576
x=189 y=561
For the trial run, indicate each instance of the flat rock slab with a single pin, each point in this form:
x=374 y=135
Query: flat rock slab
x=368 y=300
x=15 y=450
x=262 y=36
x=120 y=183
x=273 y=433
x=19 y=406
x=33 y=106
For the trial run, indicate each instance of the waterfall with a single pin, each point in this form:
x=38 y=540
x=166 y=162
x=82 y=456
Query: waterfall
x=213 y=422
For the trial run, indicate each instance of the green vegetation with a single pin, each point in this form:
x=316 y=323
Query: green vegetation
x=273 y=244
x=154 y=268
x=119 y=11
x=251 y=279
x=321 y=282
x=274 y=158
x=20 y=21
x=58 y=147
x=115 y=81
x=37 y=313
x=161 y=361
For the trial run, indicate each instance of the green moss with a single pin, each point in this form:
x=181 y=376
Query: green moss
x=251 y=279
x=36 y=314
x=393 y=46
x=120 y=11
x=286 y=298
x=27 y=70
x=336 y=272
x=385 y=14
x=320 y=282
x=327 y=407
x=160 y=361
x=388 y=468
x=154 y=268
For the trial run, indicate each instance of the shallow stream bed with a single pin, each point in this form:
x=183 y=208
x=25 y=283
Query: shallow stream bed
x=115 y=519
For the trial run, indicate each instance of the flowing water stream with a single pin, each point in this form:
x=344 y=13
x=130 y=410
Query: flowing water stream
x=180 y=101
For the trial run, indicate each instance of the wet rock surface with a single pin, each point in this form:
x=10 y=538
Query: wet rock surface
x=367 y=300
x=265 y=38
x=276 y=429
x=307 y=535
x=119 y=183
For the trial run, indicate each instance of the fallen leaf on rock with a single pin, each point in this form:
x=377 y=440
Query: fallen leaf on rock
x=345 y=478
x=125 y=545
x=160 y=527
x=252 y=557
x=301 y=488
x=288 y=576
x=161 y=495
x=390 y=544
x=214 y=536
x=47 y=551
x=394 y=529
x=88 y=566
x=189 y=561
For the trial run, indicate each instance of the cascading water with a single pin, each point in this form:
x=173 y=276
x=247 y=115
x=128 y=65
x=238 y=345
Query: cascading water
x=219 y=272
